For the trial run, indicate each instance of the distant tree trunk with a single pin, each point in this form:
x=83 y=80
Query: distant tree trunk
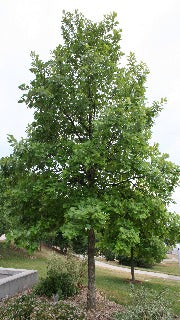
x=132 y=265
x=91 y=296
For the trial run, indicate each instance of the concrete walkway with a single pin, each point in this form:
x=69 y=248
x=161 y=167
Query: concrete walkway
x=147 y=273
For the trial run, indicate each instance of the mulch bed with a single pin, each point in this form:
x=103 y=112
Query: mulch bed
x=104 y=307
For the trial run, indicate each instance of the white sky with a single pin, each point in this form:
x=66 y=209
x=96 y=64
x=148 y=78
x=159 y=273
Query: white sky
x=151 y=29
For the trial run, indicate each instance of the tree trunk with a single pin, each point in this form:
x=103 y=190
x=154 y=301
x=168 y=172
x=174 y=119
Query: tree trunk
x=91 y=296
x=132 y=265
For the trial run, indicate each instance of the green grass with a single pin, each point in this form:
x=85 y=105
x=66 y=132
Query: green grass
x=117 y=287
x=17 y=258
x=167 y=267
x=114 y=284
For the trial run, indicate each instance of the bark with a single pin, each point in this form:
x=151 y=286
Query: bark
x=40 y=246
x=91 y=296
x=132 y=265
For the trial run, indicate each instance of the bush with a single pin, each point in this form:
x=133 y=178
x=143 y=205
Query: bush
x=60 y=283
x=70 y=264
x=147 y=305
x=28 y=307
x=64 y=277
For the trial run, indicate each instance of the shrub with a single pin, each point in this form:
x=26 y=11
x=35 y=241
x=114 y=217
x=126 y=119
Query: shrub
x=60 y=283
x=28 y=307
x=147 y=305
x=71 y=264
x=77 y=268
x=64 y=277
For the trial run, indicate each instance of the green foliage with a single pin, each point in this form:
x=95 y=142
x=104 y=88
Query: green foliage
x=47 y=311
x=87 y=164
x=64 y=277
x=5 y=222
x=28 y=307
x=85 y=215
x=18 y=307
x=173 y=236
x=58 y=240
x=79 y=244
x=109 y=254
x=88 y=145
x=72 y=265
x=136 y=228
x=137 y=262
x=147 y=305
x=57 y=283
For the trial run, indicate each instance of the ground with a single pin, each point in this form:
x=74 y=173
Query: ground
x=104 y=308
x=113 y=283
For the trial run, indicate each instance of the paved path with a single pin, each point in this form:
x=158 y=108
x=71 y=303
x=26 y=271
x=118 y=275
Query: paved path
x=148 y=273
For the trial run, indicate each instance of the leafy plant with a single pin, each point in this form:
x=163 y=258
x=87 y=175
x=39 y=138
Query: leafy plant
x=60 y=283
x=47 y=311
x=64 y=277
x=28 y=307
x=147 y=305
x=19 y=308
x=70 y=264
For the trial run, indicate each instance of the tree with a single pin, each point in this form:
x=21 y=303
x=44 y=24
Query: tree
x=146 y=227
x=4 y=222
x=89 y=141
x=140 y=234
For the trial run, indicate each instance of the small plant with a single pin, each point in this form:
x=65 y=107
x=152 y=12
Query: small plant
x=147 y=305
x=49 y=311
x=18 y=308
x=28 y=307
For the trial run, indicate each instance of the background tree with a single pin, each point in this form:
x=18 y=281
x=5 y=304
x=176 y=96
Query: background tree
x=89 y=140
x=145 y=225
x=4 y=222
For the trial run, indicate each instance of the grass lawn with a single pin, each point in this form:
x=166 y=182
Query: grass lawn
x=114 y=284
x=20 y=259
x=167 y=267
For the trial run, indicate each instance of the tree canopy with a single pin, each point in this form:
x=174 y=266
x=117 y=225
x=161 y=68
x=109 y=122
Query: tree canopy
x=87 y=152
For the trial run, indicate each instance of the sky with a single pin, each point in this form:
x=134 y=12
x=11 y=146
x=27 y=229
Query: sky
x=150 y=29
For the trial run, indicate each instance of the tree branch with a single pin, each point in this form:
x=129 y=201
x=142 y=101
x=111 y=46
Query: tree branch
x=75 y=129
x=126 y=180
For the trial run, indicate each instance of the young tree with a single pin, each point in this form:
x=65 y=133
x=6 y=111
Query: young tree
x=89 y=140
x=144 y=227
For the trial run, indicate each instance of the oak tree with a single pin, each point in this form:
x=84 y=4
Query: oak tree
x=89 y=141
